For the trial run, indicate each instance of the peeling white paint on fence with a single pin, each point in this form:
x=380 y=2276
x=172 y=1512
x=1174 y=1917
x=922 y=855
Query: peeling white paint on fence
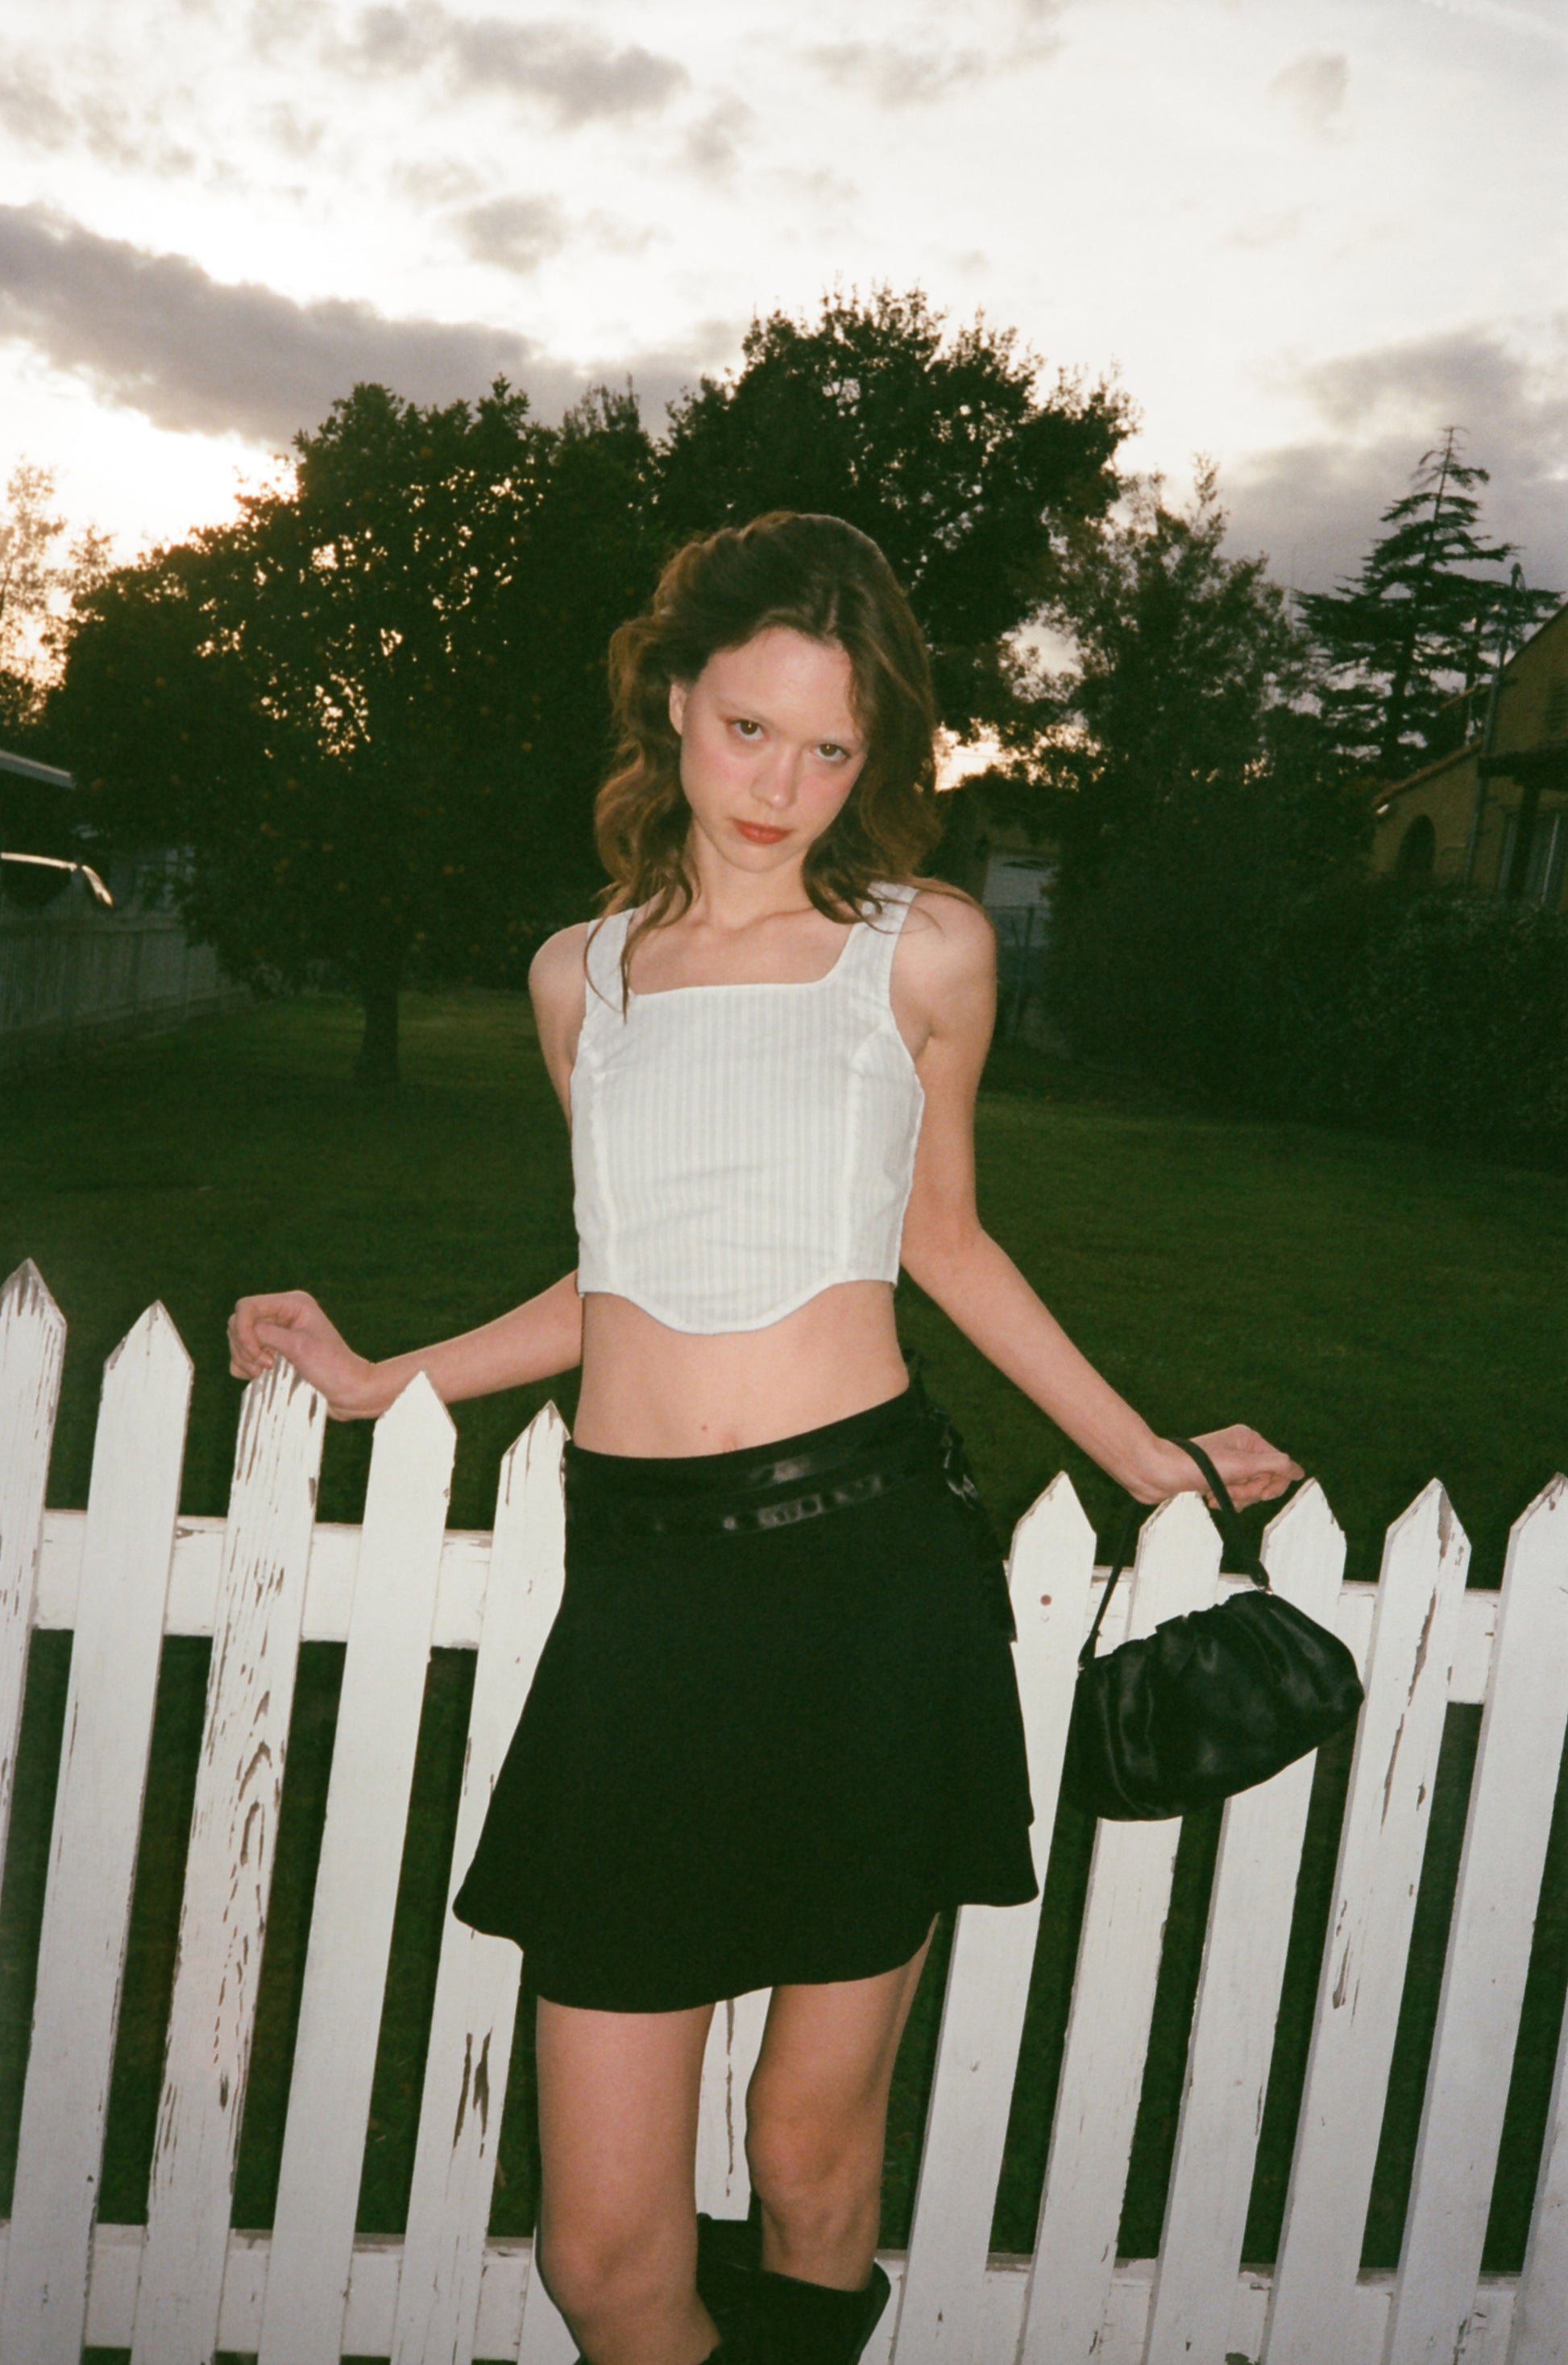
x=126 y=1546
x=310 y=2291
x=1176 y=1571
x=1239 y=1994
x=356 y=1878
x=993 y=1952
x=1361 y=1981
x=229 y=1870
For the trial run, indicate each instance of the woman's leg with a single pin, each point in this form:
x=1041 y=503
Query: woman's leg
x=618 y=2096
x=816 y=2122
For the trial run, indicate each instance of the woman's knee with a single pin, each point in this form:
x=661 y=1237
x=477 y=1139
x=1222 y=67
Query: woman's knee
x=799 y=2156
x=597 y=2268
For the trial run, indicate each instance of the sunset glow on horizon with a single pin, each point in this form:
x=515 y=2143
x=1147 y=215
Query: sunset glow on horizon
x=1306 y=235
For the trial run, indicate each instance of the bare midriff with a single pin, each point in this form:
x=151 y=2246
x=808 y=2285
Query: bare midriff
x=648 y=1389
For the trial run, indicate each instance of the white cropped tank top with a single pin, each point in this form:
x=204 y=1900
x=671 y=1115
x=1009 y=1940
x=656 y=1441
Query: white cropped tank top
x=735 y=1148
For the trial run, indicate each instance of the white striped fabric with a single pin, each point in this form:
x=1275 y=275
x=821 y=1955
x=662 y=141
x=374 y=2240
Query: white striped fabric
x=738 y=1148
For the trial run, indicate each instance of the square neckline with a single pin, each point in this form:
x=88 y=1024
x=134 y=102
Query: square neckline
x=752 y=984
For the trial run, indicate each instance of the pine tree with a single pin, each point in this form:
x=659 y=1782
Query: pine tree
x=1416 y=627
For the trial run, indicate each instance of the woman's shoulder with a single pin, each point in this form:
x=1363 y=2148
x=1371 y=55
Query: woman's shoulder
x=945 y=929
x=560 y=973
x=557 y=965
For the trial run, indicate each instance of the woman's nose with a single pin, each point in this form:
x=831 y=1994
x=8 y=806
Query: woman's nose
x=780 y=782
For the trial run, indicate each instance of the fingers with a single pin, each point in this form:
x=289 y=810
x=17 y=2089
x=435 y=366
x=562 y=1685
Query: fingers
x=260 y=1325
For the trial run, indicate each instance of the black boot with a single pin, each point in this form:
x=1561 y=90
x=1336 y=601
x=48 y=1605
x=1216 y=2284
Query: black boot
x=782 y=2320
x=729 y=2251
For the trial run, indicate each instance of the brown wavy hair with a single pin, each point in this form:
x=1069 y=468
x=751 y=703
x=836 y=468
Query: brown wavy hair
x=812 y=575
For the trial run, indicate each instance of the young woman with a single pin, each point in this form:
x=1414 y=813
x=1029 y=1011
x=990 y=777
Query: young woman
x=774 y=1732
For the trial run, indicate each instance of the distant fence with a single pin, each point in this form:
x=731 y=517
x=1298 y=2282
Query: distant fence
x=129 y=1570
x=70 y=981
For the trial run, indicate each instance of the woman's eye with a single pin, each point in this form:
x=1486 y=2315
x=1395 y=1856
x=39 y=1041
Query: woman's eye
x=748 y=730
x=833 y=751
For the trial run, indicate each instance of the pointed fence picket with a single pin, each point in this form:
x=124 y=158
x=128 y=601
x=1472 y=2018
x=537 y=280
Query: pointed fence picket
x=233 y=1845
x=1239 y=1994
x=311 y=2290
x=361 y=1848
x=126 y=1547
x=1176 y=1571
x=1391 y=1778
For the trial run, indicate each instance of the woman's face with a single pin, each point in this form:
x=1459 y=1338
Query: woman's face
x=769 y=746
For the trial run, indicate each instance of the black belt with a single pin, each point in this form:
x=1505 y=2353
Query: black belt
x=776 y=1491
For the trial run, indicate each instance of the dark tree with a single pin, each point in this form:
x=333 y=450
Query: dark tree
x=373 y=708
x=944 y=449
x=1417 y=626
x=1196 y=795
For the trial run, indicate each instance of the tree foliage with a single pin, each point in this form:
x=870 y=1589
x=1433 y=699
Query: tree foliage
x=1416 y=627
x=1196 y=794
x=943 y=448
x=373 y=709
x=40 y=583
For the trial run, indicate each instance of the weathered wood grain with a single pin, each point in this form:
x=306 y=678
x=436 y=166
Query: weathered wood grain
x=1239 y=1994
x=32 y=1349
x=1380 y=1846
x=993 y=1952
x=1177 y=1570
x=1539 y=2330
x=1489 y=1943
x=357 y=1881
x=128 y=1537
x=735 y=2040
x=477 y=1981
x=229 y=1870
x=313 y=2290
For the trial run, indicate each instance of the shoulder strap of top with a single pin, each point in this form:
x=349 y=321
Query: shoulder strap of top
x=868 y=957
x=602 y=966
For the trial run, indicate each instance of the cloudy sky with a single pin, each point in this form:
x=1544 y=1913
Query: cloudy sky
x=1307 y=234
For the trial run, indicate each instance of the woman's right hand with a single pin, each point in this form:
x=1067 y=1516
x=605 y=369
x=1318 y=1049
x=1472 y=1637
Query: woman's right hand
x=290 y=1323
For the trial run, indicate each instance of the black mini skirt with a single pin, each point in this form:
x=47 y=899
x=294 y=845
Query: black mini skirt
x=775 y=1728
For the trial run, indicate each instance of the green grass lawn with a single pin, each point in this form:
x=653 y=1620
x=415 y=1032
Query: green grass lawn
x=1387 y=1311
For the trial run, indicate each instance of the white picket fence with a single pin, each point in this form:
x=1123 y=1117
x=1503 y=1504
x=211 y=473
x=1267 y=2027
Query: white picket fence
x=129 y=1570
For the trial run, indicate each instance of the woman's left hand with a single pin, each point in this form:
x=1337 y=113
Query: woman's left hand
x=1253 y=1470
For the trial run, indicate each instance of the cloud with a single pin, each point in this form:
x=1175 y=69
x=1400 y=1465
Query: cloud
x=515 y=233
x=710 y=146
x=1313 y=87
x=297 y=135
x=437 y=180
x=518 y=234
x=918 y=72
x=895 y=76
x=1315 y=505
x=577 y=74
x=155 y=333
x=35 y=115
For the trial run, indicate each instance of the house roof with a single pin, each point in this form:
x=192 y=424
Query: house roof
x=1385 y=792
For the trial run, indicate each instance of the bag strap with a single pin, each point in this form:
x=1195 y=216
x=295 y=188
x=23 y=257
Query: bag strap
x=1239 y=1548
x=1238 y=1545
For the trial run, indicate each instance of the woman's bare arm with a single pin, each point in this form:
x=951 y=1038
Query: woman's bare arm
x=532 y=1342
x=947 y=992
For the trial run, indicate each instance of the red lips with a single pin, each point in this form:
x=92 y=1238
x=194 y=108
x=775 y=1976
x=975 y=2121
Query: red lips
x=759 y=833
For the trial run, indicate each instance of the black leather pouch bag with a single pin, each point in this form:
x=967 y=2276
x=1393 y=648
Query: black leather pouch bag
x=1208 y=1704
